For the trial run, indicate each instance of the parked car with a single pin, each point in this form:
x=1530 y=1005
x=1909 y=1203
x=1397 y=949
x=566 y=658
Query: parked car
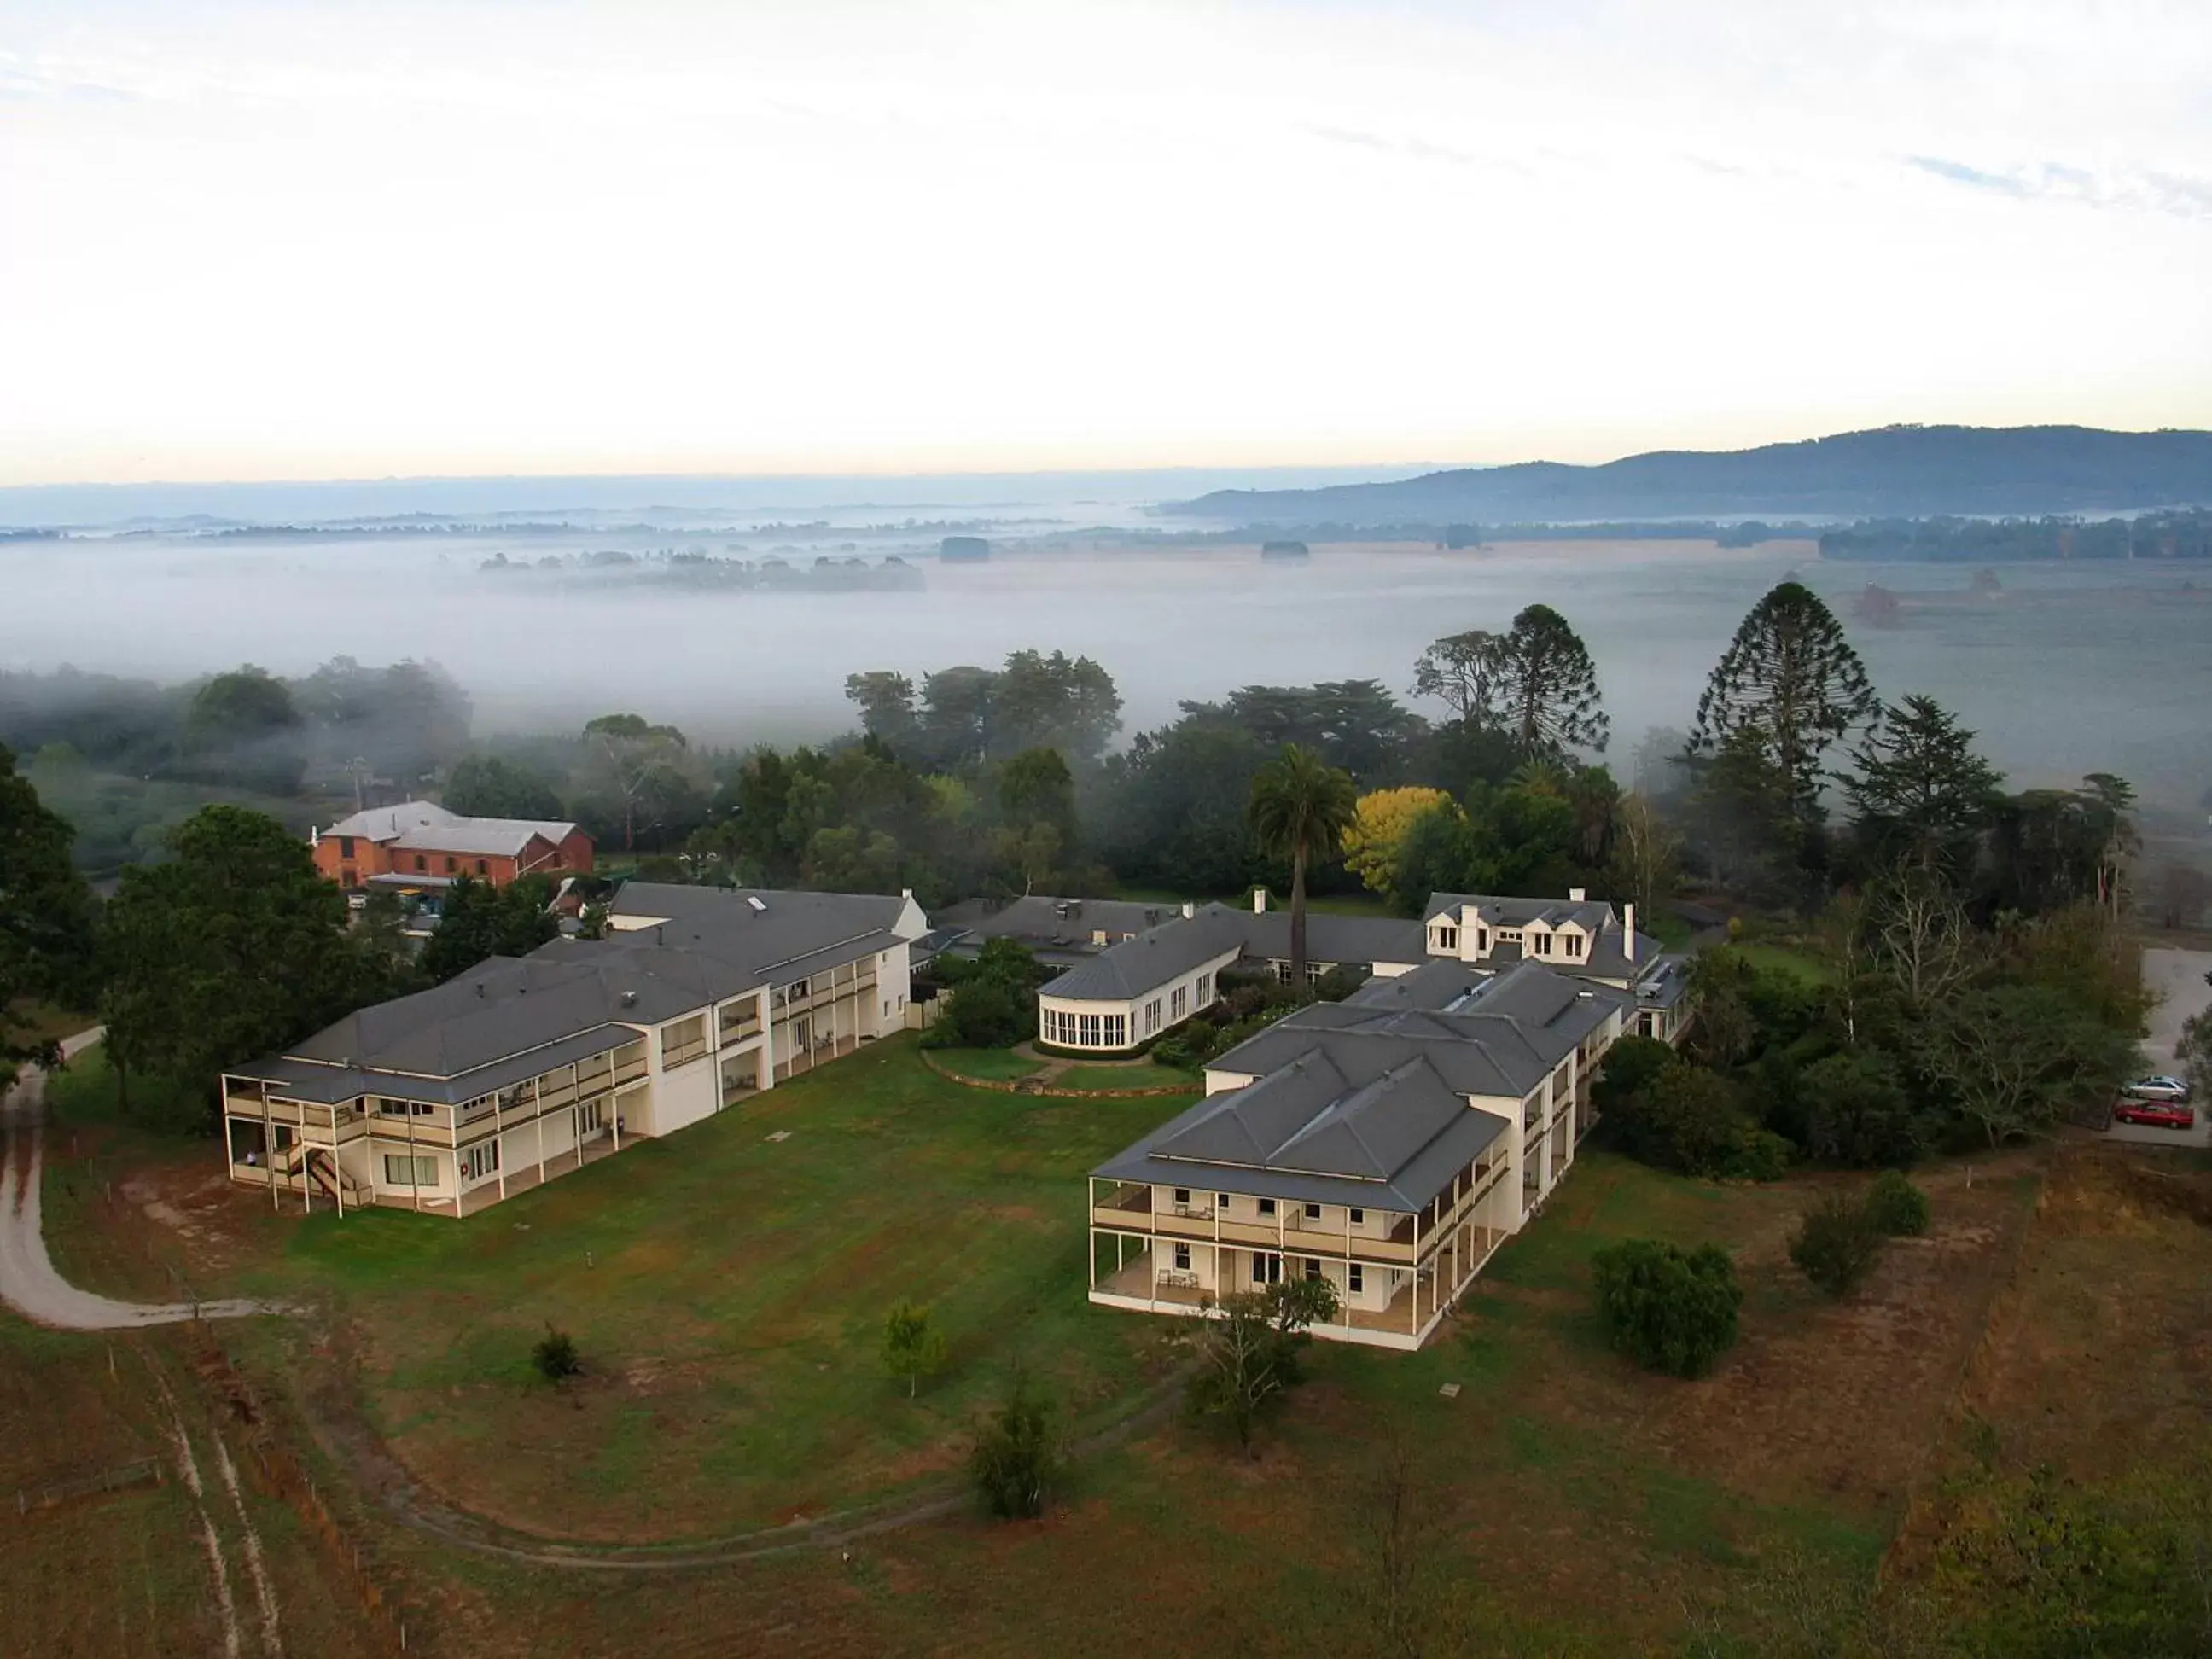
x=2157 y=1088
x=2155 y=1114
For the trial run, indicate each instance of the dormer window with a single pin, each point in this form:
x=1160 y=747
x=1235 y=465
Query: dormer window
x=1574 y=943
x=1447 y=935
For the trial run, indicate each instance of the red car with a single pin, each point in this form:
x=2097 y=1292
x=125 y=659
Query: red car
x=2155 y=1113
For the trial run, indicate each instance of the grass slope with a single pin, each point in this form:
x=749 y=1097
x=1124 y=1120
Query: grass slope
x=727 y=1293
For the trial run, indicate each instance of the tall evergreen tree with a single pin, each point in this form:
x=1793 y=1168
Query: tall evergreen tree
x=1547 y=686
x=1463 y=672
x=45 y=911
x=1790 y=679
x=1301 y=807
x=233 y=947
x=480 y=920
x=1919 y=790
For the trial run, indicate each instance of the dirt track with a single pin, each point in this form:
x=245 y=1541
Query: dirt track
x=28 y=1283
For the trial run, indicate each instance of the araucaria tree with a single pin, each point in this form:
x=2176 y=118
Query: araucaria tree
x=1790 y=681
x=1547 y=686
x=1301 y=808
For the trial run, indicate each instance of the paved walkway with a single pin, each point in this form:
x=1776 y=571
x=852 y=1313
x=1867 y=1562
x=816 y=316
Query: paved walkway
x=2178 y=979
x=28 y=1283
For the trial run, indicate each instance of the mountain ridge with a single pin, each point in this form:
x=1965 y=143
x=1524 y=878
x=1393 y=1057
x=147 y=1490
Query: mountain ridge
x=1893 y=470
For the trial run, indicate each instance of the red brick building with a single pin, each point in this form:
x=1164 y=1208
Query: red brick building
x=419 y=843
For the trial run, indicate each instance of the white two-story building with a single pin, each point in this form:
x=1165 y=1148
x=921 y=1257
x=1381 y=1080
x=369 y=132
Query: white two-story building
x=524 y=1068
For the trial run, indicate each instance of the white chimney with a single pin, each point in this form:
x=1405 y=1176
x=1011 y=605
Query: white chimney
x=1189 y=909
x=315 y=836
x=1576 y=894
x=1628 y=931
x=1258 y=900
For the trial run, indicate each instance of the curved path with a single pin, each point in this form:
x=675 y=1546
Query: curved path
x=28 y=1283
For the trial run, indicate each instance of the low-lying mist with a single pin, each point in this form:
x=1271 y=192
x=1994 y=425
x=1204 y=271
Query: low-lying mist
x=2062 y=670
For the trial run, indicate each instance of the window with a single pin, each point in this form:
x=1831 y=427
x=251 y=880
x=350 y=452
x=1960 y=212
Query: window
x=1313 y=1266
x=1313 y=1212
x=1315 y=971
x=1179 y=1002
x=1267 y=1269
x=1359 y=1218
x=1574 y=943
x=1204 y=994
x=452 y=864
x=1151 y=1015
x=590 y=1117
x=1447 y=936
x=403 y=1172
x=388 y=1107
x=422 y=863
x=345 y=846
x=1182 y=1194
x=1266 y=1206
x=483 y=867
x=1222 y=1200
x=480 y=1160
x=1282 y=972
x=1356 y=1278
x=1182 y=1258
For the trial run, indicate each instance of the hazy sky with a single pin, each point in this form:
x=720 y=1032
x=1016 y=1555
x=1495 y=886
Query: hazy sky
x=293 y=240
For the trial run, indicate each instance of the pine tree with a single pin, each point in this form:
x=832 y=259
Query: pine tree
x=1920 y=791
x=1547 y=686
x=1791 y=680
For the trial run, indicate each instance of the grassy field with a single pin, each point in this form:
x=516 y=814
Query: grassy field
x=727 y=1293
x=1111 y=1078
x=992 y=1065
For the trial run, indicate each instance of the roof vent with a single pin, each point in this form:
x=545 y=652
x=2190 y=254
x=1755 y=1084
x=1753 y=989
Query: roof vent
x=756 y=901
x=629 y=999
x=480 y=990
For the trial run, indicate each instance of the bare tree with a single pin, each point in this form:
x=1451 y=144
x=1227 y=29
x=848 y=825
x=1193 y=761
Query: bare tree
x=1924 y=937
x=1646 y=854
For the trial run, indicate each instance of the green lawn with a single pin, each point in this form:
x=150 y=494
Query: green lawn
x=1111 y=1079
x=727 y=1293
x=993 y=1065
x=1786 y=959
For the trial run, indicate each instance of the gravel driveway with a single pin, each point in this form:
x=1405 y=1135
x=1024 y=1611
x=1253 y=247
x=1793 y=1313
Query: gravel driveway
x=28 y=1283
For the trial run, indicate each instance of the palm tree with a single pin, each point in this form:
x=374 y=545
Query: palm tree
x=1301 y=807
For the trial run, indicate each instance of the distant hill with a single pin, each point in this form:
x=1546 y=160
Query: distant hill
x=1895 y=472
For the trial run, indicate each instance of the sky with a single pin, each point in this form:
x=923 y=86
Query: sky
x=355 y=240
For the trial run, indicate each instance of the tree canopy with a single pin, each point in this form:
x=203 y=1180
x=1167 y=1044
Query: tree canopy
x=1301 y=807
x=1790 y=685
x=45 y=911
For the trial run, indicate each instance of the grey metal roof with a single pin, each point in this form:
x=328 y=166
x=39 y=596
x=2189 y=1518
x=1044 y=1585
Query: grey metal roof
x=1500 y=1040
x=1308 y=1132
x=425 y=826
x=297 y=1079
x=1363 y=939
x=1141 y=965
x=1037 y=919
x=1153 y=958
x=510 y=1008
x=1509 y=912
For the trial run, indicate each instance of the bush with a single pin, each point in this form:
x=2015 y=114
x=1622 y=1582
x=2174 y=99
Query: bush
x=1836 y=1243
x=555 y=1357
x=1896 y=1207
x=1857 y=1112
x=1688 y=1118
x=1017 y=1457
x=984 y=1012
x=1668 y=1308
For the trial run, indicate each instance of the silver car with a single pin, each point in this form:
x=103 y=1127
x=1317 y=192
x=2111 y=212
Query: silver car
x=2157 y=1088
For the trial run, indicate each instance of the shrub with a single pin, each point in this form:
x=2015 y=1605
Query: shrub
x=986 y=1011
x=1896 y=1207
x=1857 y=1112
x=1016 y=1456
x=1836 y=1243
x=1671 y=1309
x=555 y=1357
x=1686 y=1117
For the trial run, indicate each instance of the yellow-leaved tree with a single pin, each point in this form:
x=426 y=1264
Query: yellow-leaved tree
x=1378 y=828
